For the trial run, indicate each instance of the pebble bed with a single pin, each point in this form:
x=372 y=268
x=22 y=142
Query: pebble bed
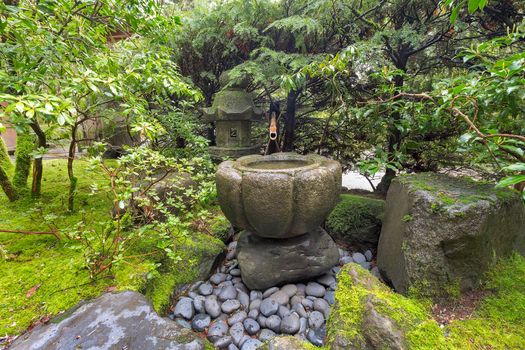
x=235 y=318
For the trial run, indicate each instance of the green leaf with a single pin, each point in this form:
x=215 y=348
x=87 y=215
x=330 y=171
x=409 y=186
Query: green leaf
x=454 y=14
x=473 y=5
x=515 y=167
x=511 y=180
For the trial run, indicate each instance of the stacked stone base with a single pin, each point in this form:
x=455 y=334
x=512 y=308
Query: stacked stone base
x=268 y=262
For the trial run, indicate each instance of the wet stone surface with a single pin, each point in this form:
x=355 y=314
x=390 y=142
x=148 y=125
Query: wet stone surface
x=233 y=317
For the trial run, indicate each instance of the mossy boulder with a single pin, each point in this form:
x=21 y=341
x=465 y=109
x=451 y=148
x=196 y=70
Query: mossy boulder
x=112 y=321
x=368 y=315
x=441 y=234
x=356 y=220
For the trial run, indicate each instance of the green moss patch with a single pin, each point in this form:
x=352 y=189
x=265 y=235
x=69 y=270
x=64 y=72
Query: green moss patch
x=41 y=276
x=497 y=322
x=356 y=218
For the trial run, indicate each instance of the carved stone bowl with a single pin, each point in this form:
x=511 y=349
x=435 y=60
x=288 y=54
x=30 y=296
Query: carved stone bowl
x=282 y=195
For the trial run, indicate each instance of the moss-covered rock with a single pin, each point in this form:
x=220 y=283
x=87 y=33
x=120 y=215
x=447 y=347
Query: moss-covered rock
x=356 y=220
x=441 y=234
x=197 y=255
x=368 y=315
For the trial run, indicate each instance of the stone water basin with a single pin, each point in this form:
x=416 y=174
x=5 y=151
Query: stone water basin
x=282 y=195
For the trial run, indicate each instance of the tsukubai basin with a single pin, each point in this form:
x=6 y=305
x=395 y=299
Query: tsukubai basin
x=282 y=195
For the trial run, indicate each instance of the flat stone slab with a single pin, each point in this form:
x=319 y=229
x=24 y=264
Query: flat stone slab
x=124 y=320
x=269 y=262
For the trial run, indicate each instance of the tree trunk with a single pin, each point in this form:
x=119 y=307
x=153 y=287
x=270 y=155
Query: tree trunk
x=5 y=183
x=289 y=121
x=25 y=144
x=394 y=138
x=70 y=159
x=38 y=169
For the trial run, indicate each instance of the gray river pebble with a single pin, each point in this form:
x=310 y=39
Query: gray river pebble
x=251 y=326
x=237 y=317
x=212 y=307
x=227 y=292
x=269 y=307
x=266 y=334
x=184 y=308
x=269 y=292
x=358 y=258
x=218 y=278
x=230 y=306
x=290 y=324
x=251 y=344
x=315 y=289
x=237 y=333
x=200 y=322
x=316 y=319
x=274 y=323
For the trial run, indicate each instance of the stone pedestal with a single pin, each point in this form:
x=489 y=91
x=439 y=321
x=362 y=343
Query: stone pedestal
x=266 y=262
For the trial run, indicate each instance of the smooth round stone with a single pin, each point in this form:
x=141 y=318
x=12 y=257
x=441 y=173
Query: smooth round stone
x=225 y=284
x=326 y=280
x=240 y=286
x=261 y=320
x=212 y=307
x=235 y=272
x=281 y=297
x=228 y=278
x=183 y=323
x=223 y=342
x=316 y=319
x=231 y=254
x=200 y=322
x=295 y=300
x=290 y=324
x=307 y=303
x=336 y=269
x=274 y=323
x=251 y=344
x=269 y=292
x=299 y=308
x=303 y=325
x=237 y=333
x=255 y=294
x=253 y=314
x=365 y=265
x=217 y=330
x=369 y=255
x=301 y=289
x=227 y=292
x=216 y=291
x=358 y=258
x=251 y=326
x=184 y=308
x=237 y=317
x=345 y=260
x=243 y=298
x=230 y=306
x=266 y=334
x=236 y=280
x=375 y=272
x=322 y=306
x=256 y=304
x=315 y=289
x=198 y=304
x=232 y=347
x=243 y=340
x=316 y=336
x=289 y=289
x=330 y=297
x=283 y=311
x=269 y=307
x=218 y=278
x=192 y=295
x=232 y=245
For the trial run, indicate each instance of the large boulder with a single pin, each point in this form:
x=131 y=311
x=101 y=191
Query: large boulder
x=368 y=315
x=268 y=262
x=112 y=321
x=441 y=234
x=356 y=221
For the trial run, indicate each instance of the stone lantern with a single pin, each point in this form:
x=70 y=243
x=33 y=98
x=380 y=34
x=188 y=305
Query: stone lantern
x=233 y=112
